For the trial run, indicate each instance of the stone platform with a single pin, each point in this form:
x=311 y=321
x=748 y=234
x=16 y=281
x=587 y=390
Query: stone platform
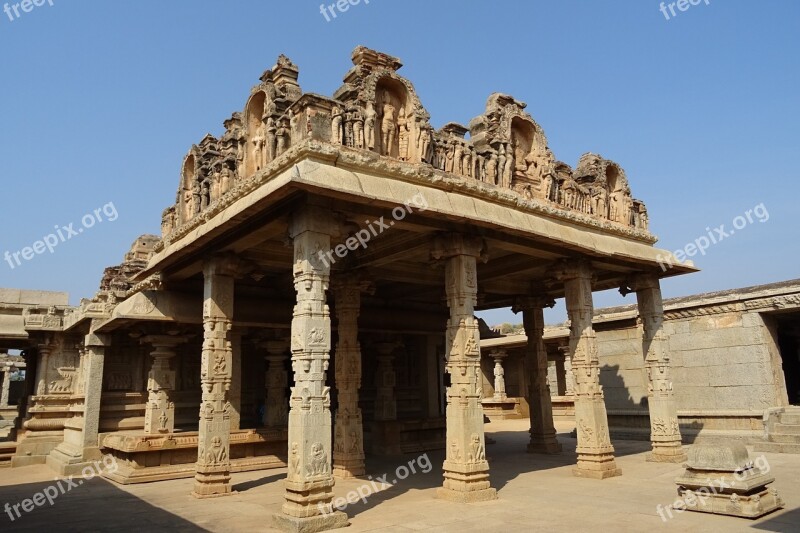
x=144 y=458
x=535 y=493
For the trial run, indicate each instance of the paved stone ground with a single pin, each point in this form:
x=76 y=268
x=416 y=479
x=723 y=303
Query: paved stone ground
x=536 y=493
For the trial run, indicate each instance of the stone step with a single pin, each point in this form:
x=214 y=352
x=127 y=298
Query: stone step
x=7 y=450
x=790 y=417
x=776 y=447
x=785 y=438
x=787 y=429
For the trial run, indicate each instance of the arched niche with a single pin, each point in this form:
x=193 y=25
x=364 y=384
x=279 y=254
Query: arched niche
x=188 y=181
x=522 y=134
x=396 y=126
x=613 y=178
x=255 y=133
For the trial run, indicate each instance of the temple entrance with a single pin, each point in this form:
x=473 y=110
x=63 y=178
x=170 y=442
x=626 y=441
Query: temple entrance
x=789 y=345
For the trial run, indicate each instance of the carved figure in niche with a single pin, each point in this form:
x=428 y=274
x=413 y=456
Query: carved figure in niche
x=358 y=130
x=449 y=156
x=215 y=186
x=225 y=179
x=65 y=383
x=294 y=461
x=216 y=454
x=627 y=207
x=466 y=165
x=491 y=169
x=388 y=125
x=613 y=205
x=196 y=194
x=568 y=193
x=455 y=454
x=282 y=135
x=458 y=157
x=424 y=143
x=259 y=141
x=355 y=438
x=600 y=201
x=369 y=126
x=644 y=221
x=271 y=139
x=336 y=125
x=338 y=441
x=501 y=165
x=318 y=465
x=477 y=451
x=162 y=420
x=404 y=125
x=480 y=167
x=508 y=170
x=348 y=130
x=547 y=186
x=205 y=193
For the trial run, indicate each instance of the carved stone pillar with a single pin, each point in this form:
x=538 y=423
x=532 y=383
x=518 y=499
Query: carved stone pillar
x=277 y=407
x=348 y=443
x=569 y=377
x=466 y=470
x=42 y=366
x=499 y=375
x=595 y=452
x=235 y=393
x=6 y=387
x=80 y=446
x=561 y=377
x=543 y=431
x=159 y=416
x=385 y=382
x=664 y=430
x=213 y=470
x=309 y=483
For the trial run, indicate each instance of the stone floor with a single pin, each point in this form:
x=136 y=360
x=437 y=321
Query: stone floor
x=536 y=493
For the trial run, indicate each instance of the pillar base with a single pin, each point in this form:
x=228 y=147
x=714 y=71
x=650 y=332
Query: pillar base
x=348 y=472
x=473 y=496
x=212 y=485
x=67 y=461
x=550 y=446
x=667 y=455
x=312 y=524
x=601 y=466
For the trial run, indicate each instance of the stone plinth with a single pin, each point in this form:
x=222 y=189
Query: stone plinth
x=720 y=478
x=143 y=458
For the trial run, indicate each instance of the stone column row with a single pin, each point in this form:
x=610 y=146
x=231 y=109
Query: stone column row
x=5 y=387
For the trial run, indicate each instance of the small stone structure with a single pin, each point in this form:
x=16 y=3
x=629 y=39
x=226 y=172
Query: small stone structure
x=720 y=478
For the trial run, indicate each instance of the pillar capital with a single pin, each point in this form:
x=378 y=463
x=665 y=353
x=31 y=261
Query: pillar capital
x=164 y=343
x=226 y=264
x=450 y=245
x=569 y=269
x=639 y=282
x=314 y=219
x=527 y=303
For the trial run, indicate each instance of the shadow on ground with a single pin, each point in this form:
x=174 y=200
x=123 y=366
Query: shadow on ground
x=76 y=510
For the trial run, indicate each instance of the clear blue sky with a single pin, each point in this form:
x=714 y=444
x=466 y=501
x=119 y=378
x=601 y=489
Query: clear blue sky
x=101 y=100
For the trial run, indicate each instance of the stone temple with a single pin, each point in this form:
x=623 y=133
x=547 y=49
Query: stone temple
x=312 y=298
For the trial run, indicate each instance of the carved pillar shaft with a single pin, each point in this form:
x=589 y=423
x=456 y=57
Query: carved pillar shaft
x=664 y=430
x=466 y=470
x=277 y=407
x=6 y=387
x=212 y=477
x=595 y=452
x=561 y=377
x=309 y=483
x=42 y=366
x=543 y=431
x=159 y=415
x=386 y=380
x=348 y=447
x=499 y=376
x=95 y=345
x=235 y=393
